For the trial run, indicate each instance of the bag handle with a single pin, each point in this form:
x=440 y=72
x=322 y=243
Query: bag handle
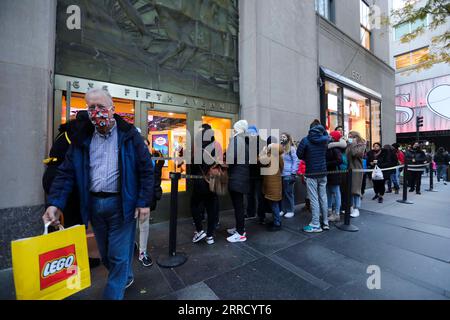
x=48 y=224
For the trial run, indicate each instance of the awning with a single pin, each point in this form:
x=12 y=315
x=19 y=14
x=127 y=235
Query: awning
x=349 y=83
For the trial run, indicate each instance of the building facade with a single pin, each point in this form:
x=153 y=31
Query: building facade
x=424 y=93
x=278 y=64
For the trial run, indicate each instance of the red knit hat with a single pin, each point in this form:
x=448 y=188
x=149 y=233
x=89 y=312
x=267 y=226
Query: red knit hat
x=336 y=135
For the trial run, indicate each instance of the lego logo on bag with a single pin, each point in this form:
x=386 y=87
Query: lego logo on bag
x=57 y=265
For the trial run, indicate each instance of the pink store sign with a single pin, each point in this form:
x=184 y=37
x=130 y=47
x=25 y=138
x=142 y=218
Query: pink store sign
x=427 y=98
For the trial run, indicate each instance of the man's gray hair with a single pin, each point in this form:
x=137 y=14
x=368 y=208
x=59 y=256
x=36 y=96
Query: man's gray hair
x=98 y=91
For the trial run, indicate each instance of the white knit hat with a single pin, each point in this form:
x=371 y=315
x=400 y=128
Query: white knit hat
x=241 y=126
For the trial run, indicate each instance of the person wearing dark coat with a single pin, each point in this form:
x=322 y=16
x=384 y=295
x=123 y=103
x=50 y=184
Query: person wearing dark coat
x=442 y=160
x=256 y=203
x=334 y=160
x=68 y=134
x=237 y=158
x=202 y=198
x=415 y=156
x=386 y=159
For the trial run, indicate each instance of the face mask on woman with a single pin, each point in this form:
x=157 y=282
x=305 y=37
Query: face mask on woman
x=284 y=140
x=350 y=140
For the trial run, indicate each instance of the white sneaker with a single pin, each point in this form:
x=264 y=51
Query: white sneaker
x=355 y=213
x=289 y=215
x=198 y=236
x=236 y=237
x=210 y=240
x=282 y=213
x=231 y=231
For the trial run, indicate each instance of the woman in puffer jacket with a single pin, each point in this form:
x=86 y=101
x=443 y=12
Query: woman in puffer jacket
x=289 y=175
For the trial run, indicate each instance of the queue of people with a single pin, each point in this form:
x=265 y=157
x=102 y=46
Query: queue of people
x=106 y=176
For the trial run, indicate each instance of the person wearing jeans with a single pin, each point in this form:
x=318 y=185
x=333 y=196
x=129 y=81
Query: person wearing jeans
x=112 y=169
x=442 y=160
x=317 y=190
x=115 y=241
x=291 y=163
x=312 y=149
x=334 y=160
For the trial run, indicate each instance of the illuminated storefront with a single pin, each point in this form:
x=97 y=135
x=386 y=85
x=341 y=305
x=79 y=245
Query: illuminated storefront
x=350 y=105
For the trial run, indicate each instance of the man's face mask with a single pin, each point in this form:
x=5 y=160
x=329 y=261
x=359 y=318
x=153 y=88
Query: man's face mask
x=99 y=116
x=284 y=140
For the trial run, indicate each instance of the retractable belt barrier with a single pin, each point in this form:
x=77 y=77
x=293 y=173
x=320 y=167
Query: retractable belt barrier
x=175 y=258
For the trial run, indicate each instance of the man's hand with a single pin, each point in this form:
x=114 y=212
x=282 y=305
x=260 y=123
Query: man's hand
x=142 y=213
x=52 y=215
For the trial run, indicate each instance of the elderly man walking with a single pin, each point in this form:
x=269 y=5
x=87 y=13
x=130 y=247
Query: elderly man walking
x=113 y=171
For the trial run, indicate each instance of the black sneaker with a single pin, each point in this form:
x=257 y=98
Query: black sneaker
x=380 y=200
x=145 y=259
x=397 y=191
x=273 y=227
x=375 y=198
x=418 y=192
x=411 y=190
x=262 y=221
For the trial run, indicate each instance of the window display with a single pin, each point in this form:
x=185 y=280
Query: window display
x=167 y=134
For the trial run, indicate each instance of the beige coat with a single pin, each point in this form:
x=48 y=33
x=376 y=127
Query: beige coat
x=355 y=153
x=272 y=184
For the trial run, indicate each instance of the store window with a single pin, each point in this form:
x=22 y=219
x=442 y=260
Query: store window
x=376 y=121
x=220 y=127
x=123 y=107
x=411 y=58
x=167 y=134
x=332 y=111
x=356 y=113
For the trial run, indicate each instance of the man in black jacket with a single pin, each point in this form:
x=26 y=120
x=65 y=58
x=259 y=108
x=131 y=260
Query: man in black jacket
x=416 y=156
x=442 y=160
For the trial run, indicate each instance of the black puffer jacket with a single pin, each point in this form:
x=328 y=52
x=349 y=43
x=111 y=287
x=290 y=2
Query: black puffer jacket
x=334 y=159
x=238 y=173
x=441 y=158
x=387 y=159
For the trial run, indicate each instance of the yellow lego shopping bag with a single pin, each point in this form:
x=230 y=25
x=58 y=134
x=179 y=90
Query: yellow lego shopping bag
x=51 y=266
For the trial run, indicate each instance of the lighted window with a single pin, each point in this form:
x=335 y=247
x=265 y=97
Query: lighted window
x=167 y=135
x=376 y=121
x=123 y=107
x=410 y=58
x=365 y=25
x=356 y=113
x=220 y=127
x=332 y=116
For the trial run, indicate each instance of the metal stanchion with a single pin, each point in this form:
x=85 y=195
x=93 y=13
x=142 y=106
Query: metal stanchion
x=431 y=179
x=405 y=186
x=347 y=226
x=174 y=259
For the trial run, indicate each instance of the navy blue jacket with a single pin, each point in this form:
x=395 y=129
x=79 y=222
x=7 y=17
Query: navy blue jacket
x=312 y=149
x=135 y=167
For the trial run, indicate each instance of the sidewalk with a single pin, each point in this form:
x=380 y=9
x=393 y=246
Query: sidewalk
x=410 y=244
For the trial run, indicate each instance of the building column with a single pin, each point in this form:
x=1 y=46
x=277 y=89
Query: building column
x=278 y=65
x=27 y=30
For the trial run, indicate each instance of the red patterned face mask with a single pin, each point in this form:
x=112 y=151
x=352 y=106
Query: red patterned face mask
x=99 y=117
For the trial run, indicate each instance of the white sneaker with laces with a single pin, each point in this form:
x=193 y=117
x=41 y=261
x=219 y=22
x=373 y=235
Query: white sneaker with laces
x=289 y=215
x=282 y=213
x=198 y=236
x=236 y=237
x=210 y=240
x=355 y=213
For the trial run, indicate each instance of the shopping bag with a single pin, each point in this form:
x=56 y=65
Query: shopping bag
x=377 y=174
x=52 y=266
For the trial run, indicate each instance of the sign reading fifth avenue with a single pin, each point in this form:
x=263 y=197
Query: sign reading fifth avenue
x=132 y=93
